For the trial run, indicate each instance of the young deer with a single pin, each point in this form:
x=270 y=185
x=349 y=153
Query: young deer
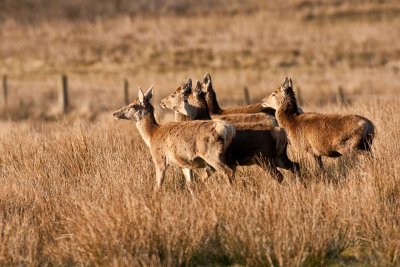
x=186 y=145
x=178 y=97
x=255 y=143
x=329 y=135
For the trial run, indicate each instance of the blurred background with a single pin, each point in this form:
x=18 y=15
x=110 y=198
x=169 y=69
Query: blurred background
x=333 y=49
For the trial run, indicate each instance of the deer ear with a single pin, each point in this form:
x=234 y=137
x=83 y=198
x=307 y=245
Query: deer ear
x=207 y=78
x=287 y=85
x=198 y=88
x=149 y=93
x=207 y=81
x=187 y=87
x=290 y=83
x=141 y=95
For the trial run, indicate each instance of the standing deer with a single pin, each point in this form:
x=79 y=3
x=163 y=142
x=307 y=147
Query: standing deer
x=329 y=135
x=186 y=145
x=255 y=143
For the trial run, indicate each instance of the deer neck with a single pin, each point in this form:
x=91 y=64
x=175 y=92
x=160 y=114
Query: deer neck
x=287 y=111
x=180 y=117
x=146 y=126
x=202 y=114
x=212 y=103
x=197 y=109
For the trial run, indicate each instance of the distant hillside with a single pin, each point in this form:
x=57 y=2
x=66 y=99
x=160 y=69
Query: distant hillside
x=29 y=11
x=37 y=10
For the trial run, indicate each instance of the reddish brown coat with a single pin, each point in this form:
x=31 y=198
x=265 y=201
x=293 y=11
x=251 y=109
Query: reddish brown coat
x=187 y=145
x=330 y=135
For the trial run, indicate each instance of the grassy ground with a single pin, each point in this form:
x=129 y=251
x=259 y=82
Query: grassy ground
x=82 y=193
x=78 y=189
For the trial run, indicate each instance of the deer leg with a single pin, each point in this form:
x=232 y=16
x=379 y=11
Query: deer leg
x=318 y=160
x=222 y=168
x=284 y=162
x=209 y=171
x=270 y=168
x=160 y=175
x=188 y=173
x=160 y=171
x=350 y=145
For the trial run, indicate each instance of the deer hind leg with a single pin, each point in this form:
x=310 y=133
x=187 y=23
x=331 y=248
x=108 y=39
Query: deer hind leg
x=351 y=142
x=282 y=161
x=221 y=167
x=270 y=168
x=217 y=159
x=318 y=161
x=209 y=171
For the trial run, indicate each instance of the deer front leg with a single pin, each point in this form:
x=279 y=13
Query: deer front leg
x=159 y=178
x=160 y=172
x=188 y=173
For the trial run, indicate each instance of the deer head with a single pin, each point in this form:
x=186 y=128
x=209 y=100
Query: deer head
x=179 y=98
x=275 y=99
x=138 y=108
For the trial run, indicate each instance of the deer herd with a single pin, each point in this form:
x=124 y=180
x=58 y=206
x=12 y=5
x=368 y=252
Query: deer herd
x=206 y=136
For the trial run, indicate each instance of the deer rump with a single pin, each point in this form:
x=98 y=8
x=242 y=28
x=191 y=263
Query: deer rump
x=331 y=135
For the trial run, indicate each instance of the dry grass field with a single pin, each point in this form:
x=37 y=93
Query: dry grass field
x=78 y=189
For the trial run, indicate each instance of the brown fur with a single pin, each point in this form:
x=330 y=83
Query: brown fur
x=215 y=109
x=183 y=144
x=330 y=135
x=255 y=143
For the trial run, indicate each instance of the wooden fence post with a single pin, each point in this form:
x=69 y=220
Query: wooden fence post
x=126 y=92
x=341 y=97
x=246 y=95
x=4 y=92
x=63 y=94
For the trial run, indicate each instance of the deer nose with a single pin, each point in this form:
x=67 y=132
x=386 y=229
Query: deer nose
x=162 y=104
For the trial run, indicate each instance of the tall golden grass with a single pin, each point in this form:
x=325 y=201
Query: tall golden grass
x=82 y=194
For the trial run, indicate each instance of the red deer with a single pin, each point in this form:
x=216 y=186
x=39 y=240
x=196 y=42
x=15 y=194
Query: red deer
x=255 y=143
x=330 y=135
x=186 y=145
